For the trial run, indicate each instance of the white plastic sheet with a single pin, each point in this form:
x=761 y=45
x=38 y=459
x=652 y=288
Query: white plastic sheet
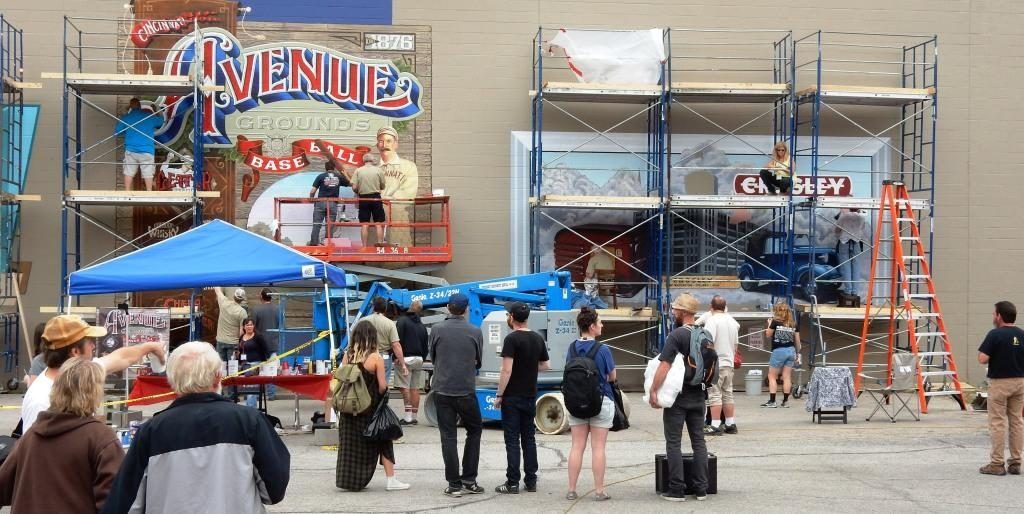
x=613 y=57
x=673 y=381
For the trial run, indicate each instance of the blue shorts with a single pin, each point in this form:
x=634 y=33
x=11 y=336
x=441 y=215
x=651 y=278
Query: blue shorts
x=782 y=357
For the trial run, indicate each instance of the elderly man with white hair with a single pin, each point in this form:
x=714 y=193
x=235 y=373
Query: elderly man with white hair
x=203 y=453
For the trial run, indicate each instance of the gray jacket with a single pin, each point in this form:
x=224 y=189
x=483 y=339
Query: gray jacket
x=455 y=349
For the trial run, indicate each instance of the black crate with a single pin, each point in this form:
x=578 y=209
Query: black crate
x=661 y=473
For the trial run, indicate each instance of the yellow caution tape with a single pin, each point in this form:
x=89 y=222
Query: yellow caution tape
x=239 y=373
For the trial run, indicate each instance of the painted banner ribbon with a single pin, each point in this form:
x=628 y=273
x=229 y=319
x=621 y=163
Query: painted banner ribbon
x=253 y=157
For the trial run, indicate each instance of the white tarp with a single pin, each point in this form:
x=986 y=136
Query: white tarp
x=613 y=57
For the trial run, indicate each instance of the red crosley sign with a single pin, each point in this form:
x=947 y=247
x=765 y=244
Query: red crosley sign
x=825 y=185
x=143 y=32
x=252 y=152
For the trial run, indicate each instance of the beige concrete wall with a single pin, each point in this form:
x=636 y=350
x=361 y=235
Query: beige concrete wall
x=485 y=46
x=481 y=74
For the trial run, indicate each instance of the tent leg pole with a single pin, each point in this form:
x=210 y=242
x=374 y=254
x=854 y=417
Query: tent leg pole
x=192 y=335
x=328 y=408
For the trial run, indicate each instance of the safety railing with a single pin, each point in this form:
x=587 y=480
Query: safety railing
x=412 y=230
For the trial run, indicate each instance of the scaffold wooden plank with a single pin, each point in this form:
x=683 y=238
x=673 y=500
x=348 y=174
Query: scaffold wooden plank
x=90 y=312
x=728 y=201
x=740 y=92
x=869 y=95
x=612 y=93
x=136 y=197
x=125 y=84
x=605 y=202
x=11 y=85
x=846 y=202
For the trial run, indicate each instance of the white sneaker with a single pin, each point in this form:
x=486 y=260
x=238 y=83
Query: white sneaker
x=396 y=485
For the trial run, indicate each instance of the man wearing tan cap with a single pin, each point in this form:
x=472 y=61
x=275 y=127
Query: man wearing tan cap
x=401 y=182
x=65 y=337
x=687 y=410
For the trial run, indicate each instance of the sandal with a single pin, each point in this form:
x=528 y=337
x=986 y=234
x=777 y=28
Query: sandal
x=571 y=495
x=600 y=497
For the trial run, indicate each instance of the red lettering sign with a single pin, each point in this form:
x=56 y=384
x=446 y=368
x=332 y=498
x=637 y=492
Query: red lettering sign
x=824 y=185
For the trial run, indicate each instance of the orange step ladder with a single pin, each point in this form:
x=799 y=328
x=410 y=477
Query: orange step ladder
x=910 y=279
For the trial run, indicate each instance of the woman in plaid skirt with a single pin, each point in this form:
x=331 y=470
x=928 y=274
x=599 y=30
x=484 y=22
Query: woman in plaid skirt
x=358 y=456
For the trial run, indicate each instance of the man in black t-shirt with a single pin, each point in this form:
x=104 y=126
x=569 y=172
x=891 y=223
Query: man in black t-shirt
x=1003 y=351
x=524 y=355
x=326 y=185
x=688 y=409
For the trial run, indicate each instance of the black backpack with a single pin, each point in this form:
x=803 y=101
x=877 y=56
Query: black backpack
x=581 y=383
x=701 y=360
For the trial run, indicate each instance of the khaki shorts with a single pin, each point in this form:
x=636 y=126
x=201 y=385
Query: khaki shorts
x=414 y=380
x=721 y=392
x=135 y=162
x=604 y=419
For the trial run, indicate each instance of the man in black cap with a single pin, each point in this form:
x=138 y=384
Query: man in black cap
x=326 y=185
x=524 y=354
x=455 y=349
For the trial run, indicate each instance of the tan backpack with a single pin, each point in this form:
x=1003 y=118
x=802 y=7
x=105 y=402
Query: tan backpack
x=351 y=394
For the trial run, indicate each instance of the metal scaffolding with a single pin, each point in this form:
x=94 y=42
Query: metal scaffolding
x=15 y=142
x=88 y=91
x=842 y=79
x=632 y=196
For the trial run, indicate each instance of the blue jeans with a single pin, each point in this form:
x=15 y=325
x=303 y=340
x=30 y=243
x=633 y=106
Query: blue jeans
x=517 y=413
x=449 y=409
x=227 y=352
x=782 y=357
x=849 y=254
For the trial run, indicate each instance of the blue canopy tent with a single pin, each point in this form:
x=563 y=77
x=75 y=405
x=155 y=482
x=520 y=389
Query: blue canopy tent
x=216 y=253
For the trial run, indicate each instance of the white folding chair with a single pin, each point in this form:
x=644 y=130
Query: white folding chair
x=895 y=398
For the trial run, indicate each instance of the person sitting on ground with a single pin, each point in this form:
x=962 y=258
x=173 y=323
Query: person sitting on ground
x=358 y=455
x=203 y=453
x=785 y=337
x=597 y=427
x=69 y=336
x=68 y=460
x=776 y=174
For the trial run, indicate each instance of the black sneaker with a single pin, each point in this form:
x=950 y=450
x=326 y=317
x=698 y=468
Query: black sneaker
x=770 y=405
x=507 y=489
x=530 y=488
x=673 y=497
x=405 y=423
x=731 y=429
x=473 y=488
x=453 y=492
x=785 y=404
x=716 y=431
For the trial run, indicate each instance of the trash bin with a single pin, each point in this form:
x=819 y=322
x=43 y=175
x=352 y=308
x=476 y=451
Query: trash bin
x=753 y=382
